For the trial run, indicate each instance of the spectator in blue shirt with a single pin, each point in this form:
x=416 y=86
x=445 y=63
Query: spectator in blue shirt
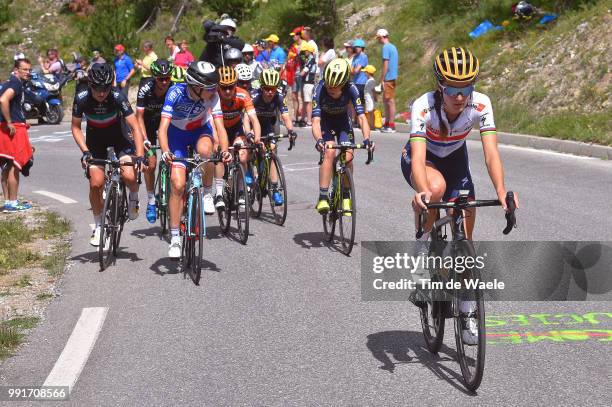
x=124 y=69
x=360 y=60
x=276 y=52
x=388 y=78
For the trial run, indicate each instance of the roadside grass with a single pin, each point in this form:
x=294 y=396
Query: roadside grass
x=12 y=334
x=55 y=262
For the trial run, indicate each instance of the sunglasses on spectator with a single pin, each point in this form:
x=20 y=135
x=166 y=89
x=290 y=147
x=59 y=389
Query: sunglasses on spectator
x=452 y=91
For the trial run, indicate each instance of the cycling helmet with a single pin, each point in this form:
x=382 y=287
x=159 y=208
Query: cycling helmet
x=202 y=74
x=161 y=67
x=359 y=43
x=269 y=77
x=456 y=64
x=228 y=76
x=232 y=55
x=244 y=72
x=100 y=75
x=248 y=48
x=337 y=72
x=178 y=74
x=228 y=22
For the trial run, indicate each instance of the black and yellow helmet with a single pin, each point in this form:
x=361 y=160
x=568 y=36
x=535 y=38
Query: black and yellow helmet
x=269 y=77
x=178 y=74
x=337 y=72
x=228 y=76
x=456 y=64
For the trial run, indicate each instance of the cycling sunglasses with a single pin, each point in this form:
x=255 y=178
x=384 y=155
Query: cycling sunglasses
x=227 y=87
x=163 y=79
x=100 y=88
x=452 y=91
x=269 y=88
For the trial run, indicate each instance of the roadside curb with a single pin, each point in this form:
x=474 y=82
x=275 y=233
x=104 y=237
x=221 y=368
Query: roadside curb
x=540 y=143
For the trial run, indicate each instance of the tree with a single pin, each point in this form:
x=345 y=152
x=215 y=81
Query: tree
x=238 y=9
x=111 y=23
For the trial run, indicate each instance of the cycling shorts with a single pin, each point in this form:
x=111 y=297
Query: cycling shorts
x=340 y=133
x=151 y=127
x=179 y=140
x=234 y=131
x=99 y=139
x=455 y=169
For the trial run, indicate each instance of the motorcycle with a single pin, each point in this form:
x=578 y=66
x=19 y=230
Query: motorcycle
x=43 y=99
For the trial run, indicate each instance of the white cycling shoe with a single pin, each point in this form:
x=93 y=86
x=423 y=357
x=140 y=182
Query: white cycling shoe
x=209 y=204
x=133 y=208
x=94 y=240
x=469 y=323
x=174 y=251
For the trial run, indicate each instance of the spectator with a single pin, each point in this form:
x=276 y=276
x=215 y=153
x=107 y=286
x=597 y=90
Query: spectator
x=124 y=69
x=81 y=75
x=173 y=49
x=297 y=95
x=307 y=36
x=97 y=58
x=55 y=65
x=329 y=54
x=388 y=78
x=309 y=72
x=370 y=95
x=276 y=53
x=144 y=64
x=360 y=60
x=183 y=58
x=348 y=51
x=15 y=148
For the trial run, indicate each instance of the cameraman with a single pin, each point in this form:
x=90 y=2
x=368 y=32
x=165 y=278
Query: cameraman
x=219 y=39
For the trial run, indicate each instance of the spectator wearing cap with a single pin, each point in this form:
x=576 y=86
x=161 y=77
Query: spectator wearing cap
x=348 y=52
x=297 y=96
x=369 y=93
x=388 y=78
x=172 y=48
x=360 y=60
x=309 y=72
x=183 y=58
x=277 y=53
x=97 y=58
x=144 y=64
x=124 y=69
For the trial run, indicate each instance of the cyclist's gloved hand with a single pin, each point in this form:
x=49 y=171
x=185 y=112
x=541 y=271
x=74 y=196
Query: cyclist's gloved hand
x=86 y=156
x=226 y=156
x=320 y=145
x=140 y=162
x=250 y=137
x=292 y=133
x=366 y=143
x=167 y=156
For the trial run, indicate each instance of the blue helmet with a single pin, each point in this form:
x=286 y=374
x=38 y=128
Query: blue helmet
x=359 y=43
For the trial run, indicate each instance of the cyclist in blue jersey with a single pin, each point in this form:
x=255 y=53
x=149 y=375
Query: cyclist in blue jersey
x=269 y=102
x=332 y=123
x=190 y=115
x=104 y=107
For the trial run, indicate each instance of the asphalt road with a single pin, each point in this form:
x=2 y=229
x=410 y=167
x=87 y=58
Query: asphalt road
x=280 y=321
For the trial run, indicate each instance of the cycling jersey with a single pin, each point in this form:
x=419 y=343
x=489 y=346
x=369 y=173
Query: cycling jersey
x=336 y=123
x=186 y=113
x=233 y=108
x=266 y=112
x=426 y=123
x=103 y=122
x=151 y=104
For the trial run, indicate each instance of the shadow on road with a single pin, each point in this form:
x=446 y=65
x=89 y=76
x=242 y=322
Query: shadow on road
x=314 y=240
x=165 y=265
x=148 y=232
x=92 y=257
x=394 y=348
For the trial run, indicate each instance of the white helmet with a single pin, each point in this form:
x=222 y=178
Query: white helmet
x=245 y=73
x=247 y=48
x=19 y=56
x=228 y=22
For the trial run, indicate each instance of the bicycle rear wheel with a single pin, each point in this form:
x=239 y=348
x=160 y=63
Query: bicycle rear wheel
x=347 y=214
x=225 y=214
x=122 y=213
x=471 y=357
x=329 y=218
x=108 y=227
x=242 y=211
x=256 y=195
x=280 y=212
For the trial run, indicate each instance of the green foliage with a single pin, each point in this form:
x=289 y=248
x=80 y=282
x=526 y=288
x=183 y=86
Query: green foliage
x=239 y=9
x=5 y=12
x=112 y=22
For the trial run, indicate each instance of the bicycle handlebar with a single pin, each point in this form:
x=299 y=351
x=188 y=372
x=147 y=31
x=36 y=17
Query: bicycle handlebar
x=344 y=147
x=510 y=216
x=273 y=136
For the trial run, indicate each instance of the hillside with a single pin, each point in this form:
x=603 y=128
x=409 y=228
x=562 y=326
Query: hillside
x=553 y=81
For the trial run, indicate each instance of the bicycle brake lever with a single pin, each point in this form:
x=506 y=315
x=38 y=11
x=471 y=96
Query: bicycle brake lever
x=510 y=217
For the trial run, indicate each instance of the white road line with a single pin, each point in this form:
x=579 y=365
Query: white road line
x=62 y=132
x=61 y=198
x=290 y=164
x=299 y=169
x=71 y=361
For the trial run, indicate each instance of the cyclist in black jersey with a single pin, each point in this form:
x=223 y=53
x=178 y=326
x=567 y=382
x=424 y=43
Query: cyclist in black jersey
x=149 y=103
x=105 y=107
x=269 y=102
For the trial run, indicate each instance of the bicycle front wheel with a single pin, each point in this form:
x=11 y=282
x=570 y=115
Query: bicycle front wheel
x=122 y=211
x=195 y=233
x=329 y=218
x=162 y=185
x=108 y=228
x=279 y=211
x=471 y=356
x=241 y=204
x=225 y=213
x=347 y=212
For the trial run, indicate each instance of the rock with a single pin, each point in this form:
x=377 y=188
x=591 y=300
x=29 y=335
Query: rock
x=582 y=27
x=357 y=18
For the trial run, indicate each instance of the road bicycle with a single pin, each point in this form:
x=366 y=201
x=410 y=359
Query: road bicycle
x=235 y=197
x=342 y=200
x=115 y=210
x=442 y=304
x=162 y=192
x=193 y=221
x=263 y=162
